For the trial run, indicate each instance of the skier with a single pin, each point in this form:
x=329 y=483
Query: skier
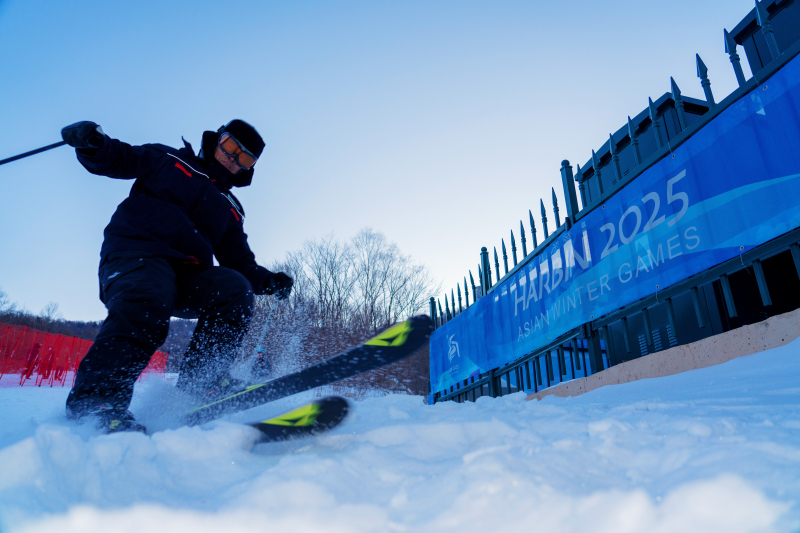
x=156 y=262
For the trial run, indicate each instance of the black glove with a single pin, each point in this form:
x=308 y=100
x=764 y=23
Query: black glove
x=278 y=284
x=85 y=136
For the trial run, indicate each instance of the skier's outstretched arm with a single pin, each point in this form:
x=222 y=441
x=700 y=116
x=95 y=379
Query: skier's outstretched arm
x=104 y=156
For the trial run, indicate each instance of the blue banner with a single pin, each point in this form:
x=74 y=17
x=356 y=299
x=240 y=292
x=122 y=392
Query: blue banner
x=732 y=186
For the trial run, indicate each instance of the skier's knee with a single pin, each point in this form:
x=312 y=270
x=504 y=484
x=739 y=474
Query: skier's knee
x=147 y=323
x=237 y=292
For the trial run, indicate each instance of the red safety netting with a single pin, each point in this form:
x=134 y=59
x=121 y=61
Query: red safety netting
x=39 y=358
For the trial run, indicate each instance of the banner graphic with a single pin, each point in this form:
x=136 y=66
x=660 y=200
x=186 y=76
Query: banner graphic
x=732 y=186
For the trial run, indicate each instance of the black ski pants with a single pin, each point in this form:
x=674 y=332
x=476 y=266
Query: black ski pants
x=141 y=292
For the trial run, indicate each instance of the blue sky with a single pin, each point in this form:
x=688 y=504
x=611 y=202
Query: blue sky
x=437 y=123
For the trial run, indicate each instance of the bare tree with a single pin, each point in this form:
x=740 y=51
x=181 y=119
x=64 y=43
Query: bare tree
x=344 y=292
x=6 y=305
x=50 y=312
x=390 y=286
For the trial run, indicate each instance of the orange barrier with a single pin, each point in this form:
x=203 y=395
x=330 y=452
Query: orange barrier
x=47 y=358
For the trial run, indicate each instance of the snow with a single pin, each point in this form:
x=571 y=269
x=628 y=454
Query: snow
x=716 y=449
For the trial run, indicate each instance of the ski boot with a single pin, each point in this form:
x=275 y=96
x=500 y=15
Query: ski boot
x=109 y=419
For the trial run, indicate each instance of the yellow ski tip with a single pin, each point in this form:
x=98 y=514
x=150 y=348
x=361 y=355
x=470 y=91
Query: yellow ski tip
x=394 y=336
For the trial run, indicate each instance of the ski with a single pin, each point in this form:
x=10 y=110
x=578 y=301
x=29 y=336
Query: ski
x=391 y=345
x=310 y=419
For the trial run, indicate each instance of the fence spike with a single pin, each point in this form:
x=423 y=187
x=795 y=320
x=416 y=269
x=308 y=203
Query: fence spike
x=453 y=299
x=676 y=97
x=513 y=248
x=555 y=207
x=762 y=18
x=447 y=308
x=466 y=293
x=730 y=49
x=612 y=147
x=472 y=282
x=480 y=278
x=656 y=124
x=496 y=264
x=432 y=305
x=544 y=219
x=582 y=186
x=637 y=155
x=440 y=309
x=533 y=230
x=505 y=255
x=522 y=238
x=596 y=168
x=702 y=73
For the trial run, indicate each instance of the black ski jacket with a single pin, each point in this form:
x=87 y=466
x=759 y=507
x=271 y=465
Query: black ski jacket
x=176 y=208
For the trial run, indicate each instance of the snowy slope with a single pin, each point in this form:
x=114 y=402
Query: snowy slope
x=716 y=449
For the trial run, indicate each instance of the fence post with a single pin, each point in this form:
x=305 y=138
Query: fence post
x=637 y=155
x=671 y=317
x=586 y=196
x=730 y=48
x=544 y=219
x=656 y=125
x=513 y=248
x=555 y=208
x=762 y=18
x=795 y=250
x=610 y=355
x=570 y=197
x=472 y=282
x=626 y=335
x=533 y=229
x=522 y=238
x=486 y=280
x=492 y=393
x=612 y=147
x=595 y=352
x=676 y=97
x=762 y=283
x=648 y=330
x=702 y=73
x=697 y=310
x=596 y=168
x=433 y=311
x=728 y=294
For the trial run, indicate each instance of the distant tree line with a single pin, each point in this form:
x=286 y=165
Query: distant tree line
x=49 y=319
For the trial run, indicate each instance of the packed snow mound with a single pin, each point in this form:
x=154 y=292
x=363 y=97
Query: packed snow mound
x=715 y=449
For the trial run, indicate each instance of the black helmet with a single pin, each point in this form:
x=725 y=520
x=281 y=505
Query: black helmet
x=245 y=134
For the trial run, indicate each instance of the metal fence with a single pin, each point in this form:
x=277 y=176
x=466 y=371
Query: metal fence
x=35 y=358
x=759 y=283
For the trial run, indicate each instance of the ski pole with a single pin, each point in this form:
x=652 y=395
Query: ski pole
x=264 y=329
x=33 y=152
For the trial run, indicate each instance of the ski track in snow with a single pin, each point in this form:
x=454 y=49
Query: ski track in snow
x=716 y=449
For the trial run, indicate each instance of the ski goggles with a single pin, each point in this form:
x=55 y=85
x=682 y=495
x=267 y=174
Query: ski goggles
x=233 y=148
